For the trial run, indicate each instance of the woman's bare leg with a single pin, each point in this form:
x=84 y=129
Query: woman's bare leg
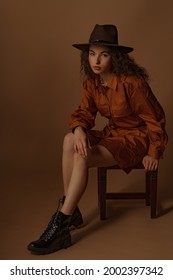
x=75 y=171
x=67 y=160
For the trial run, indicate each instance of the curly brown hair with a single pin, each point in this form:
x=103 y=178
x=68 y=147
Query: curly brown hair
x=122 y=64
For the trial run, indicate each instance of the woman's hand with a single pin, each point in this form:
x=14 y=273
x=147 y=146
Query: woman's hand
x=80 y=141
x=150 y=163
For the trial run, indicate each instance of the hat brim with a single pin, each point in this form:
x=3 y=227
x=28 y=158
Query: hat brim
x=84 y=47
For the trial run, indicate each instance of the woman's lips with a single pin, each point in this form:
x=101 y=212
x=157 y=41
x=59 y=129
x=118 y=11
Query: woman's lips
x=96 y=67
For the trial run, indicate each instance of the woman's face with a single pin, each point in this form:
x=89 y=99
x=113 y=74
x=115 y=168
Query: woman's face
x=100 y=59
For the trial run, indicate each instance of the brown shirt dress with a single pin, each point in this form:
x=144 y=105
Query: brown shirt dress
x=136 y=120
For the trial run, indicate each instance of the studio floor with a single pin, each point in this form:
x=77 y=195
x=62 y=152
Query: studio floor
x=28 y=202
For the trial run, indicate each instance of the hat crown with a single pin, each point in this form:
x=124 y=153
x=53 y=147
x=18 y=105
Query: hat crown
x=104 y=33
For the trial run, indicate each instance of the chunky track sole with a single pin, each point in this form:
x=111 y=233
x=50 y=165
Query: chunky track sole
x=51 y=249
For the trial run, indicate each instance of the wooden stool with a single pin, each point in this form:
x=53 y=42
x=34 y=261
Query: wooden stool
x=150 y=194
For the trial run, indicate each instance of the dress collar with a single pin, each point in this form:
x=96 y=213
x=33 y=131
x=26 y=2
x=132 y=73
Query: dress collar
x=112 y=82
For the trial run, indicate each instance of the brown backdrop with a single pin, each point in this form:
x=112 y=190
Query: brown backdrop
x=40 y=79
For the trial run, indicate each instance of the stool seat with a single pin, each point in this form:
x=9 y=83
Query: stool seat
x=150 y=194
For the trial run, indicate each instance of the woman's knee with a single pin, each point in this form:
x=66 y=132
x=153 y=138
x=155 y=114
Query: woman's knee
x=85 y=161
x=80 y=160
x=68 y=143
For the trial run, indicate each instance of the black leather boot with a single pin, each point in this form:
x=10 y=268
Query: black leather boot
x=76 y=218
x=55 y=237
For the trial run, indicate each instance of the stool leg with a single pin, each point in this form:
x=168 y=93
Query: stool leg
x=148 y=191
x=153 y=190
x=102 y=174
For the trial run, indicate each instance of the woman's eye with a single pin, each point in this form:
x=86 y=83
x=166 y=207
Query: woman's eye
x=105 y=54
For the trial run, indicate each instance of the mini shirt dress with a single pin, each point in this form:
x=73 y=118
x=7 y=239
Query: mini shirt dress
x=136 y=120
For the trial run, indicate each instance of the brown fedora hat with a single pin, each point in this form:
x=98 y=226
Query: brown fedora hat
x=105 y=35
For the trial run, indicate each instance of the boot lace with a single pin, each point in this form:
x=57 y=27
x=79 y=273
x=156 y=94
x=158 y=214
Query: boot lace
x=52 y=226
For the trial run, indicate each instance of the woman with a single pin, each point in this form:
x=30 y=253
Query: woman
x=117 y=87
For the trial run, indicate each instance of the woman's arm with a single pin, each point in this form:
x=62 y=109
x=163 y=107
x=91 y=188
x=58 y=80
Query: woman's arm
x=147 y=107
x=85 y=114
x=82 y=120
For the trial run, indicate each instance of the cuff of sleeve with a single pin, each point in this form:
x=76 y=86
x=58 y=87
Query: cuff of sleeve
x=154 y=152
x=84 y=129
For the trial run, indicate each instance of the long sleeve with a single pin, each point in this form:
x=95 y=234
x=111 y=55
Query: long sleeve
x=85 y=114
x=146 y=106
